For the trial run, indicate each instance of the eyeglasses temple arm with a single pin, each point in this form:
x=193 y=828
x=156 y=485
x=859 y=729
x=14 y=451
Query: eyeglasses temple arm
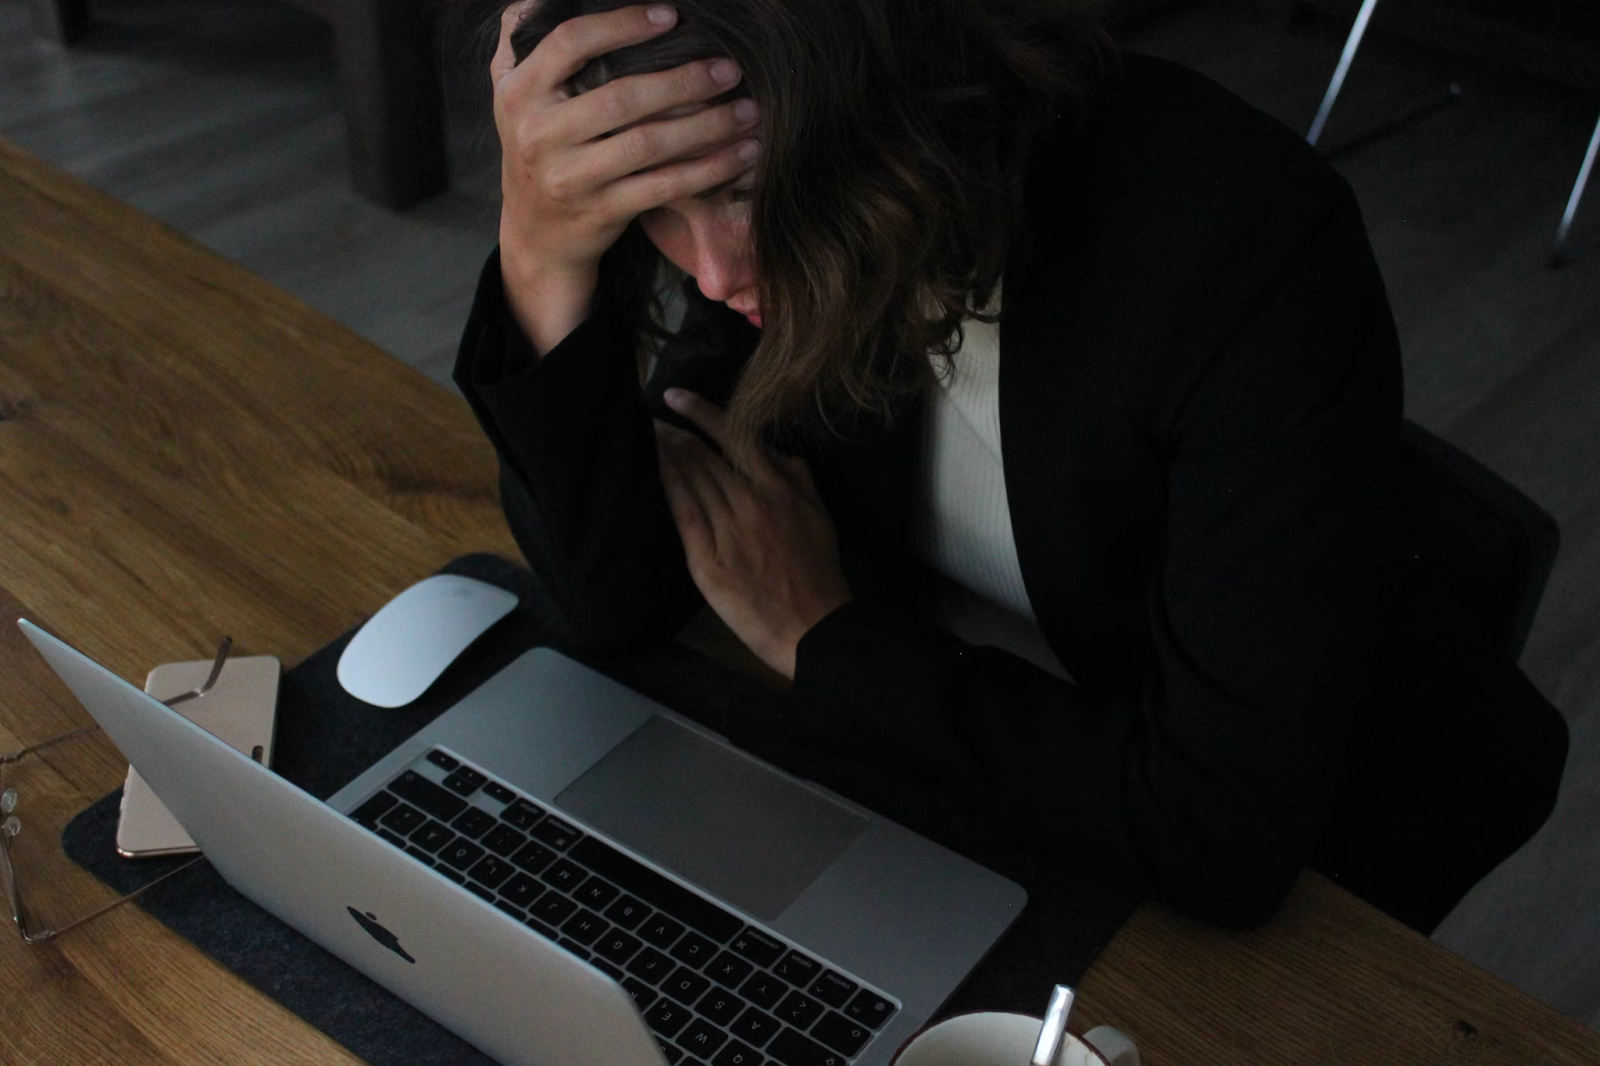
x=49 y=934
x=216 y=672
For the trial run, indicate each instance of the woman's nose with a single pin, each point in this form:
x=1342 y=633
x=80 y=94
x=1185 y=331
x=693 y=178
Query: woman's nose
x=718 y=276
x=722 y=266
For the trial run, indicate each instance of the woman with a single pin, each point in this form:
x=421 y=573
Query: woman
x=1165 y=621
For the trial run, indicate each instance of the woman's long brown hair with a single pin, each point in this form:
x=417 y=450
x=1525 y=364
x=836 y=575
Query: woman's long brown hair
x=895 y=142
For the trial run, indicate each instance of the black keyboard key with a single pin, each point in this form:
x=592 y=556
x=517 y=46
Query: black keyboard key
x=534 y=857
x=556 y=833
x=515 y=912
x=667 y=1017
x=523 y=816
x=481 y=892
x=459 y=879
x=792 y=1049
x=720 y=1005
x=834 y=989
x=685 y=986
x=738 y=1053
x=799 y=1010
x=612 y=971
x=472 y=822
x=595 y=893
x=369 y=812
x=521 y=890
x=798 y=969
x=465 y=781
x=617 y=946
x=755 y=1027
x=403 y=819
x=660 y=930
x=491 y=870
x=694 y=950
x=758 y=947
x=671 y=1051
x=565 y=875
x=461 y=854
x=432 y=836
x=701 y=1038
x=651 y=966
x=642 y=994
x=502 y=839
x=543 y=930
x=627 y=912
x=585 y=927
x=841 y=1034
x=553 y=908
x=443 y=761
x=414 y=788
x=656 y=890
x=869 y=1008
x=421 y=856
x=498 y=792
x=764 y=990
x=729 y=969
x=394 y=838
x=575 y=948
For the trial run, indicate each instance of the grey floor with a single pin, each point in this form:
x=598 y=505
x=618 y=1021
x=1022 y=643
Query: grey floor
x=221 y=118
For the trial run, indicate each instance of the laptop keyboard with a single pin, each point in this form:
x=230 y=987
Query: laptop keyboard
x=715 y=990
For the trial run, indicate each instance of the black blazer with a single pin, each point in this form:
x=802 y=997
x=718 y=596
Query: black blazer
x=1200 y=402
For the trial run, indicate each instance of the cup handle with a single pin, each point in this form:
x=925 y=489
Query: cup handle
x=1113 y=1045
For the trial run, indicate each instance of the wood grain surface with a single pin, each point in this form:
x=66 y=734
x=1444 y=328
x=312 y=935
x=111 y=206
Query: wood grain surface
x=186 y=452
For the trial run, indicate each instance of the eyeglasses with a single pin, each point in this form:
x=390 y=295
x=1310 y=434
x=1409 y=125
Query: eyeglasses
x=45 y=783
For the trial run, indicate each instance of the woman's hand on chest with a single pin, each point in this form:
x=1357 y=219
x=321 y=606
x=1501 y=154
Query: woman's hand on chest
x=760 y=544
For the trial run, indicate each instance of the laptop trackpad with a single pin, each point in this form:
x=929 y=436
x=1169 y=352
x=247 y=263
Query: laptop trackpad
x=713 y=816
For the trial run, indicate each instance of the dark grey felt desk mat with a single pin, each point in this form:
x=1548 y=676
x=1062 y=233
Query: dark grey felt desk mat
x=325 y=738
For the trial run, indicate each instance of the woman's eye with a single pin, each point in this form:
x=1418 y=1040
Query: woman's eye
x=740 y=196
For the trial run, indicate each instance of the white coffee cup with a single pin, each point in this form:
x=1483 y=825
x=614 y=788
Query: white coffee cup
x=993 y=1038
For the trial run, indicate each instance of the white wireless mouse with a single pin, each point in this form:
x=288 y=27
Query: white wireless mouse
x=412 y=639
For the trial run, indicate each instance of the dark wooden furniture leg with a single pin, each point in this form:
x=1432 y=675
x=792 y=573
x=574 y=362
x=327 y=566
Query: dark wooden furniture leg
x=393 y=98
x=60 y=20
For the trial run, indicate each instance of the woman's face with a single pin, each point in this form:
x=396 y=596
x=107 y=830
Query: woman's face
x=707 y=236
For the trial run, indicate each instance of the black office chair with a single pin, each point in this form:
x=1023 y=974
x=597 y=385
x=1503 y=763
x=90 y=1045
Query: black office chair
x=1438 y=798
x=1492 y=547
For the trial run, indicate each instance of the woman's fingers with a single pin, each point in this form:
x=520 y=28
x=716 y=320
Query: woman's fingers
x=701 y=496
x=505 y=60
x=565 y=50
x=687 y=514
x=699 y=410
x=713 y=420
x=627 y=102
x=568 y=47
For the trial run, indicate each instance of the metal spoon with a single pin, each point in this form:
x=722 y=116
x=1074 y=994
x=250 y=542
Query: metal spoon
x=1054 y=1028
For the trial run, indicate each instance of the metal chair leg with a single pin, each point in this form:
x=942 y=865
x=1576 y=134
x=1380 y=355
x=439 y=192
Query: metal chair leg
x=1358 y=31
x=1577 y=192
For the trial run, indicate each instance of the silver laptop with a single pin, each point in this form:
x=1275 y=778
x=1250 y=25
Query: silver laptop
x=564 y=872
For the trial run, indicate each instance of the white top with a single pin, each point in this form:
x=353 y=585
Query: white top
x=962 y=523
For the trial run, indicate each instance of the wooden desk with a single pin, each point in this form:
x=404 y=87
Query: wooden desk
x=186 y=451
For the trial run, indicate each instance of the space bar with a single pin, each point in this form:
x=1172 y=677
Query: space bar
x=632 y=876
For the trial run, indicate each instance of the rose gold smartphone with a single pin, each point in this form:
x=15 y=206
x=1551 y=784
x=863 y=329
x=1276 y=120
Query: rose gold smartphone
x=240 y=709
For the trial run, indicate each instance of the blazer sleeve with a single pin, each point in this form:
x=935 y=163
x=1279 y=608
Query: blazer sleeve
x=1205 y=781
x=578 y=477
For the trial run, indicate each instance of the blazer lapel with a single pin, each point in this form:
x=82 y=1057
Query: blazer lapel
x=1082 y=478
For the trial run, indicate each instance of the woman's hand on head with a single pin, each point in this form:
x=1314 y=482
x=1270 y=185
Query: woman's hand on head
x=577 y=169
x=760 y=543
